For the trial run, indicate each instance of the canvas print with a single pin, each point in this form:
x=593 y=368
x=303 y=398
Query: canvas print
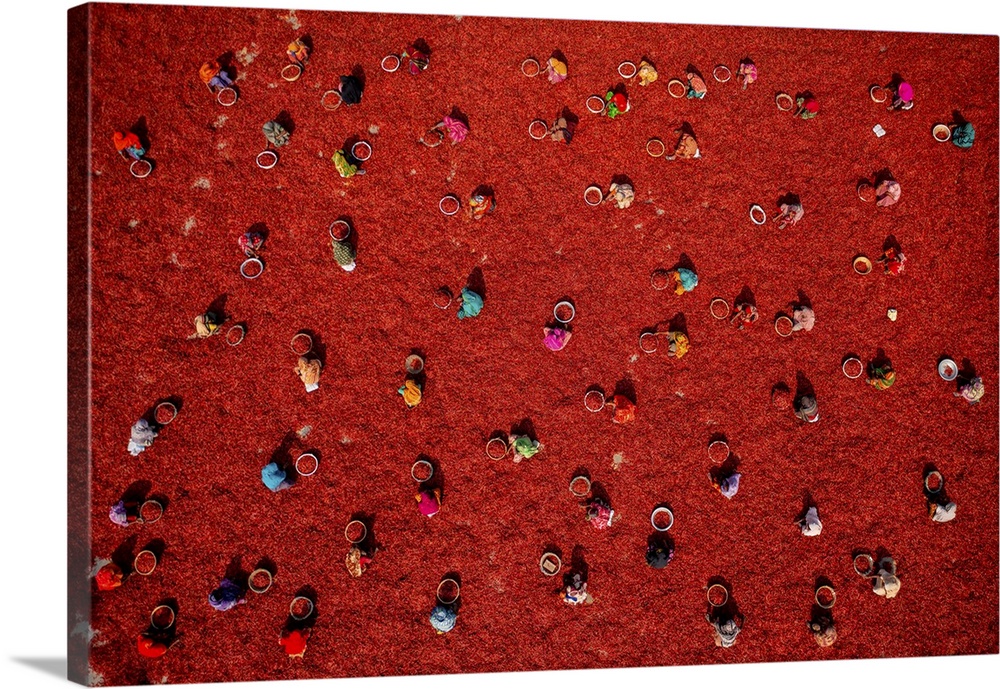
x=408 y=344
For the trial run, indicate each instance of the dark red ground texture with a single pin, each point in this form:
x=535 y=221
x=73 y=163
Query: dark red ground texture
x=165 y=247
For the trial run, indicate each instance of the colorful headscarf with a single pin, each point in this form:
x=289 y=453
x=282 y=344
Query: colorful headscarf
x=803 y=318
x=418 y=61
x=624 y=410
x=428 y=502
x=556 y=70
x=882 y=378
x=344 y=254
x=526 y=447
x=470 y=304
x=679 y=344
x=443 y=618
x=616 y=103
x=209 y=70
x=696 y=86
x=227 y=596
x=964 y=135
x=411 y=393
x=481 y=205
x=599 y=514
x=556 y=338
x=730 y=485
x=647 y=74
x=748 y=71
x=686 y=280
x=972 y=391
x=118 y=514
x=109 y=577
x=275 y=134
x=294 y=642
x=273 y=477
x=624 y=194
x=344 y=167
x=456 y=129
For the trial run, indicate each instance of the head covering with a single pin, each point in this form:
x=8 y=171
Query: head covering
x=886 y=584
x=686 y=280
x=730 y=485
x=344 y=254
x=350 y=90
x=557 y=70
x=555 y=338
x=624 y=194
x=647 y=74
x=599 y=513
x=972 y=391
x=803 y=318
x=109 y=577
x=823 y=631
x=118 y=514
x=888 y=192
x=250 y=243
x=659 y=556
x=811 y=105
x=882 y=378
x=209 y=70
x=443 y=618
x=455 y=129
x=964 y=135
x=294 y=642
x=727 y=631
x=309 y=371
x=807 y=409
x=273 y=476
x=343 y=165
x=905 y=91
x=275 y=134
x=411 y=393
x=624 y=409
x=686 y=147
x=679 y=344
x=697 y=87
x=811 y=525
x=943 y=513
x=428 y=503
x=149 y=647
x=418 y=60
x=471 y=304
x=124 y=140
x=481 y=205
x=526 y=447
x=227 y=596
x=142 y=437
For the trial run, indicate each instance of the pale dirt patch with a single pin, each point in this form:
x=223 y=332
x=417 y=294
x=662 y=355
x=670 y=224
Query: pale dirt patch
x=373 y=130
x=245 y=56
x=304 y=431
x=202 y=183
x=188 y=225
x=618 y=461
x=291 y=20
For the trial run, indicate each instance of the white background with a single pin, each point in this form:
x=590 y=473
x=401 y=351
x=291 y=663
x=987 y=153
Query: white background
x=33 y=275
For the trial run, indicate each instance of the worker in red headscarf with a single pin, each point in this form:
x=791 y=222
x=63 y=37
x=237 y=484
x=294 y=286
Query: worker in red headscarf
x=127 y=143
x=808 y=107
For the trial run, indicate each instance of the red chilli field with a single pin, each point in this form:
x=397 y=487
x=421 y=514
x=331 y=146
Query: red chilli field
x=164 y=248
